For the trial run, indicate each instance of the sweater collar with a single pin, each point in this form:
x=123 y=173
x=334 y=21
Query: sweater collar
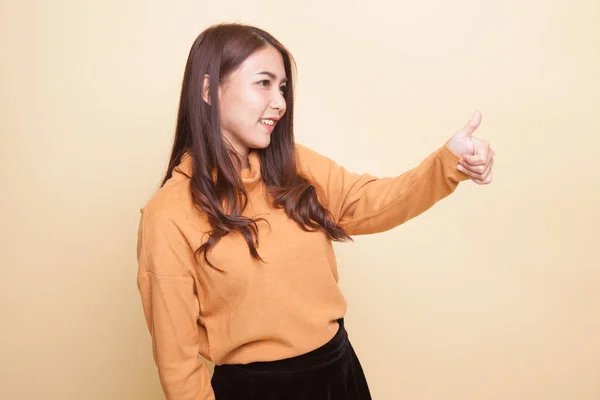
x=250 y=176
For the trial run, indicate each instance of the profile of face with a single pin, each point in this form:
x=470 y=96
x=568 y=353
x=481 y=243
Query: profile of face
x=251 y=101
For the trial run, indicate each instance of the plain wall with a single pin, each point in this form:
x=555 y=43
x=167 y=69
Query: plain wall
x=492 y=294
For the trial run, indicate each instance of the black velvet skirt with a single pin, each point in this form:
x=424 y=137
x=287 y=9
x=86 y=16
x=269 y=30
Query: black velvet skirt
x=331 y=372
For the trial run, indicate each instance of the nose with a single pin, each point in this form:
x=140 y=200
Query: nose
x=278 y=102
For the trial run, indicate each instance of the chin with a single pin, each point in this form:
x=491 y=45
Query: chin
x=260 y=144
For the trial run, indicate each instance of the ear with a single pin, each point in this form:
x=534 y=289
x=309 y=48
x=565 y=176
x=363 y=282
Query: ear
x=206 y=89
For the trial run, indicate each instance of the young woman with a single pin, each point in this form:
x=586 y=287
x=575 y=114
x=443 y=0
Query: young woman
x=235 y=249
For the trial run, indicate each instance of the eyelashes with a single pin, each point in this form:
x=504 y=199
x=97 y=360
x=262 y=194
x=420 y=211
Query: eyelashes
x=267 y=83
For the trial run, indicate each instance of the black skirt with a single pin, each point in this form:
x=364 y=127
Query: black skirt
x=331 y=372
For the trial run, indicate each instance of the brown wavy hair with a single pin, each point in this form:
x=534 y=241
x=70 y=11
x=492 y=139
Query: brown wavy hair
x=216 y=184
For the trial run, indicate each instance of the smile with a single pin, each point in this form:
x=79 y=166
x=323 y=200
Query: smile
x=268 y=122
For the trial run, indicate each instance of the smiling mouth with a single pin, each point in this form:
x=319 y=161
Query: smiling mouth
x=268 y=122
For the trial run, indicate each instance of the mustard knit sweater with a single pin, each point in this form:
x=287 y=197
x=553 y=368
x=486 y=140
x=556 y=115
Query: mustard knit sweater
x=248 y=310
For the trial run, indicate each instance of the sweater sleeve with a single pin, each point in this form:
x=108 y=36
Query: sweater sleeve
x=171 y=309
x=364 y=204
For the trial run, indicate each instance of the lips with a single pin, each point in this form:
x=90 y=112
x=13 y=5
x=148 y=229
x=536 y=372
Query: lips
x=268 y=121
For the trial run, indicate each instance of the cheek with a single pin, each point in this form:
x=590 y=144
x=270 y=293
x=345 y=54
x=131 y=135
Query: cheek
x=246 y=105
x=234 y=109
x=256 y=103
x=243 y=108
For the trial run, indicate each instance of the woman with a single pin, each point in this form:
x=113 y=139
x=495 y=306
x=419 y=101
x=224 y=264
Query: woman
x=235 y=250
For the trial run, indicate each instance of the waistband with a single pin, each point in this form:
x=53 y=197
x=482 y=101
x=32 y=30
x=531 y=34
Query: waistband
x=324 y=355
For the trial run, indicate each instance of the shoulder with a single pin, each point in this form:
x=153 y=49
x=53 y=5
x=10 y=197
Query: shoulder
x=305 y=153
x=168 y=202
x=171 y=212
x=311 y=162
x=170 y=230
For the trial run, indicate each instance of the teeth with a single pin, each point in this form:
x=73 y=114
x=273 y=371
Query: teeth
x=268 y=122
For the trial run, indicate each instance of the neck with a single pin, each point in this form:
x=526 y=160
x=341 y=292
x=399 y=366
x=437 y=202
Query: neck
x=243 y=158
x=240 y=151
x=246 y=162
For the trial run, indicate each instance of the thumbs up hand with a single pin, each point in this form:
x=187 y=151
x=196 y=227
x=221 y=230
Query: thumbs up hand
x=476 y=156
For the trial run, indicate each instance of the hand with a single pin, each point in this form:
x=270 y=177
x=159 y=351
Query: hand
x=476 y=155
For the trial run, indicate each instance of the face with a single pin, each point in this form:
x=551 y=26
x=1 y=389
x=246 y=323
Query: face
x=251 y=101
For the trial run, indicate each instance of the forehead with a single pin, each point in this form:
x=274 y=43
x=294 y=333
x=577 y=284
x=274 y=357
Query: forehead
x=267 y=59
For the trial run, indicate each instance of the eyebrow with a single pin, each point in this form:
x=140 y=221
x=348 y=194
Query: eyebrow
x=271 y=75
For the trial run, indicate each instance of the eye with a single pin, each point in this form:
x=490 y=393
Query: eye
x=265 y=83
x=283 y=89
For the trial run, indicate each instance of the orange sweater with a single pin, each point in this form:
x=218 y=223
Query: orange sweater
x=256 y=311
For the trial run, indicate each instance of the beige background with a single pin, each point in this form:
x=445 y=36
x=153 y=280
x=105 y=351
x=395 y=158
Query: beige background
x=492 y=294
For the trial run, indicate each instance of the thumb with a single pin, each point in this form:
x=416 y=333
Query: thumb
x=473 y=124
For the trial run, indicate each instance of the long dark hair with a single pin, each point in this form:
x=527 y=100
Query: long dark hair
x=216 y=185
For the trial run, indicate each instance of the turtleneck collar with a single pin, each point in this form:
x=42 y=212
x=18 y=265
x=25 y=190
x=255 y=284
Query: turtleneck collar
x=250 y=176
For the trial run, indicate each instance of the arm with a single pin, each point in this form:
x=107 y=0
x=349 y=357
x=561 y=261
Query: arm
x=364 y=204
x=171 y=309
